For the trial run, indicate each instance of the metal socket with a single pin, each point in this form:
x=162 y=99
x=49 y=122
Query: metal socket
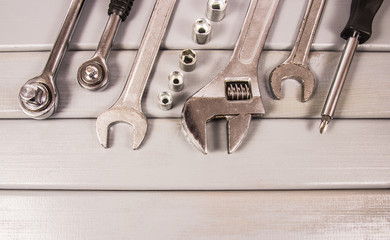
x=216 y=10
x=165 y=100
x=188 y=60
x=176 y=82
x=35 y=96
x=201 y=31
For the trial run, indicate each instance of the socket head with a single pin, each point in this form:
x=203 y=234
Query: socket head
x=176 y=82
x=201 y=32
x=165 y=100
x=188 y=60
x=38 y=98
x=93 y=74
x=216 y=10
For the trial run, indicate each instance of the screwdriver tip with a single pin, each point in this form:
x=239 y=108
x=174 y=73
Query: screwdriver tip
x=324 y=124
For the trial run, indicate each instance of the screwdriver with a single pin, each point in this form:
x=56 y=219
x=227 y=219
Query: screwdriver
x=357 y=31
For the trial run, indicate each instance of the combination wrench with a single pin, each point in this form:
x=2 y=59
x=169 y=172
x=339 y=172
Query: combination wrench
x=296 y=65
x=38 y=97
x=234 y=93
x=94 y=73
x=127 y=108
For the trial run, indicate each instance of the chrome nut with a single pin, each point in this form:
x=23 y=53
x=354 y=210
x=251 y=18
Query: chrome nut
x=201 y=31
x=34 y=96
x=188 y=60
x=93 y=75
x=176 y=82
x=165 y=100
x=216 y=10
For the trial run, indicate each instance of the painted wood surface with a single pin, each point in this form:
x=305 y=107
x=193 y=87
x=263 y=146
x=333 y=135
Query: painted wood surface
x=276 y=154
x=279 y=153
x=282 y=151
x=364 y=95
x=309 y=215
x=37 y=29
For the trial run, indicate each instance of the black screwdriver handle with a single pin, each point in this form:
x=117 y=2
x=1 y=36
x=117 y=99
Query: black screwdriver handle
x=361 y=18
x=120 y=7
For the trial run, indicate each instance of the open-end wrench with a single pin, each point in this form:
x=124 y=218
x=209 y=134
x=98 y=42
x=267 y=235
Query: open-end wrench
x=94 y=73
x=234 y=93
x=38 y=97
x=296 y=66
x=127 y=108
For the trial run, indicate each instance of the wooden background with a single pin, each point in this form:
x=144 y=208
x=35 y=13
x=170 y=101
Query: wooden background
x=58 y=183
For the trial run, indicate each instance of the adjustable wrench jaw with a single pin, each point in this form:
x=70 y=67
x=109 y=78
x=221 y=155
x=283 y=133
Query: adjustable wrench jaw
x=214 y=101
x=117 y=114
x=298 y=72
x=234 y=94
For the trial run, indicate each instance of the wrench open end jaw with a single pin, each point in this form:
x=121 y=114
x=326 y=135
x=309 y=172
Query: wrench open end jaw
x=296 y=65
x=127 y=108
x=206 y=105
x=115 y=115
x=194 y=123
x=292 y=71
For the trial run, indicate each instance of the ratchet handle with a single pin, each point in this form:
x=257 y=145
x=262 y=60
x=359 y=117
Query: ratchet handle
x=361 y=18
x=121 y=8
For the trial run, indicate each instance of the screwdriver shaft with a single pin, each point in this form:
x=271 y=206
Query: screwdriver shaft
x=338 y=81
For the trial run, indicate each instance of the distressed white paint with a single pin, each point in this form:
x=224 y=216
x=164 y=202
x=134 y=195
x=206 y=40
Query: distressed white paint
x=281 y=154
x=296 y=215
x=276 y=154
x=37 y=23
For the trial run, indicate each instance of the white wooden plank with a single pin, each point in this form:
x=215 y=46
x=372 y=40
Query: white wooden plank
x=364 y=94
x=37 y=28
x=277 y=154
x=344 y=215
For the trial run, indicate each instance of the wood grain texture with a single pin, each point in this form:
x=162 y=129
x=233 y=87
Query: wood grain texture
x=38 y=28
x=337 y=215
x=276 y=154
x=364 y=94
x=64 y=153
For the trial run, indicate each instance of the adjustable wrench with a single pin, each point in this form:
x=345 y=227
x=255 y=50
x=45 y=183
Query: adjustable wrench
x=234 y=94
x=38 y=97
x=94 y=73
x=128 y=107
x=296 y=66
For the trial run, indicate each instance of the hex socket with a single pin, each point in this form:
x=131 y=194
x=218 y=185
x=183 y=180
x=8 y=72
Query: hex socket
x=201 y=31
x=165 y=100
x=176 y=82
x=216 y=10
x=188 y=60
